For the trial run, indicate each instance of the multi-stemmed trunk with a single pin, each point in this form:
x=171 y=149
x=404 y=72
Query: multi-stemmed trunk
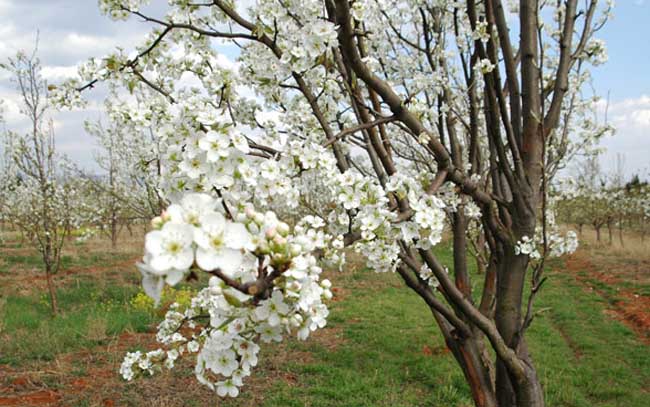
x=491 y=382
x=514 y=391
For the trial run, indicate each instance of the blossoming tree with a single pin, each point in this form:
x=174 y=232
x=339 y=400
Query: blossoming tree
x=412 y=115
x=127 y=191
x=36 y=196
x=597 y=200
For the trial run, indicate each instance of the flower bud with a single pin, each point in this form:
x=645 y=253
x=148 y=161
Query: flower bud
x=295 y=250
x=296 y=320
x=157 y=222
x=215 y=282
x=283 y=229
x=263 y=247
x=293 y=286
x=270 y=233
x=279 y=240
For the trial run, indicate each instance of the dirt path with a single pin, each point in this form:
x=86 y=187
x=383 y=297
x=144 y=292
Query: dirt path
x=607 y=281
x=56 y=383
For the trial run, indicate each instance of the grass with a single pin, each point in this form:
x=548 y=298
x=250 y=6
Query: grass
x=90 y=313
x=380 y=348
x=378 y=357
x=82 y=259
x=585 y=357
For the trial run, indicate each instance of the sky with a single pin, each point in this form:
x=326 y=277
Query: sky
x=626 y=79
x=71 y=31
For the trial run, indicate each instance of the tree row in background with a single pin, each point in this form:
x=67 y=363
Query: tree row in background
x=48 y=199
x=605 y=202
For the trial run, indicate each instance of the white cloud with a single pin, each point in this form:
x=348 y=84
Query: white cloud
x=90 y=45
x=631 y=117
x=5 y=6
x=58 y=73
x=11 y=108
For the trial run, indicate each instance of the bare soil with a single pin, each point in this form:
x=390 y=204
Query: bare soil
x=627 y=304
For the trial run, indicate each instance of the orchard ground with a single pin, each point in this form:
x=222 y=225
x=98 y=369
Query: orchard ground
x=591 y=339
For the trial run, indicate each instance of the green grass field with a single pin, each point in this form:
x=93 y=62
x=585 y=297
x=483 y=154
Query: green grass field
x=380 y=347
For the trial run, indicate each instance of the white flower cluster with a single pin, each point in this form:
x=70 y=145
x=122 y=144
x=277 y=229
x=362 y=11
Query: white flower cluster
x=367 y=204
x=427 y=276
x=558 y=245
x=86 y=235
x=485 y=66
x=527 y=247
x=596 y=51
x=430 y=218
x=301 y=43
x=65 y=95
x=115 y=8
x=482 y=32
x=266 y=284
x=198 y=159
x=428 y=221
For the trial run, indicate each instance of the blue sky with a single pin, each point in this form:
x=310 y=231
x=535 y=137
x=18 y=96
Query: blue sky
x=627 y=72
x=626 y=78
x=73 y=30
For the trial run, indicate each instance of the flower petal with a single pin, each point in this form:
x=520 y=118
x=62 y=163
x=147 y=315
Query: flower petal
x=227 y=260
x=153 y=242
x=152 y=285
x=237 y=237
x=160 y=263
x=174 y=276
x=183 y=260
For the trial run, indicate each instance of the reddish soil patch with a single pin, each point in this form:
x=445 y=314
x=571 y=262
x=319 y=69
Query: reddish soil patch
x=98 y=380
x=39 y=398
x=130 y=263
x=436 y=350
x=627 y=306
x=636 y=309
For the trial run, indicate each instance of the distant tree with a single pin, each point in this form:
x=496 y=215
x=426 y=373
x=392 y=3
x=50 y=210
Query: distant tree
x=126 y=190
x=37 y=197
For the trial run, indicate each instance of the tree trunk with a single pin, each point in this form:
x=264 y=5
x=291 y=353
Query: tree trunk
x=514 y=391
x=68 y=233
x=51 y=289
x=609 y=232
x=114 y=232
x=620 y=232
x=472 y=360
x=530 y=392
x=597 y=233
